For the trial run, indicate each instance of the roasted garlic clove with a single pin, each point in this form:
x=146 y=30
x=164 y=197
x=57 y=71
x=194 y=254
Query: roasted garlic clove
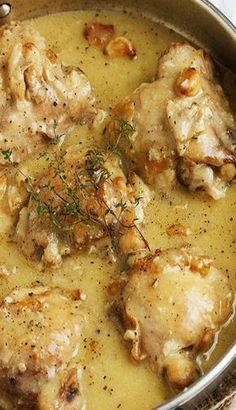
x=228 y=172
x=178 y=229
x=98 y=34
x=119 y=47
x=189 y=82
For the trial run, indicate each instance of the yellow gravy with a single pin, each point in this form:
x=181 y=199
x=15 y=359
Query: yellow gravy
x=110 y=379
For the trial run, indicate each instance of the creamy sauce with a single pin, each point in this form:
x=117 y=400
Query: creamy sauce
x=111 y=380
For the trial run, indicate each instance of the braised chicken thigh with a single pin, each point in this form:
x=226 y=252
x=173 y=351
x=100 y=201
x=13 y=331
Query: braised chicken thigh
x=172 y=305
x=82 y=198
x=40 y=98
x=40 y=332
x=179 y=126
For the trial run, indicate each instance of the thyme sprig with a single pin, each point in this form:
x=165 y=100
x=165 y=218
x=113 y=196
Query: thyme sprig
x=123 y=130
x=64 y=197
x=68 y=204
x=57 y=138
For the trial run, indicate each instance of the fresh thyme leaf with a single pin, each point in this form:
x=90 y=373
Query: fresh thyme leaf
x=114 y=245
x=40 y=209
x=45 y=155
x=122 y=205
x=136 y=201
x=72 y=209
x=55 y=124
x=48 y=185
x=28 y=180
x=125 y=129
x=94 y=159
x=7 y=154
x=114 y=149
x=57 y=137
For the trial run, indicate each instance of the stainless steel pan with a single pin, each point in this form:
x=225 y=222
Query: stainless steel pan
x=197 y=20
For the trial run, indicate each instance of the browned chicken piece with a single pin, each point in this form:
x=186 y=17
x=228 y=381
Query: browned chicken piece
x=40 y=330
x=82 y=198
x=179 y=126
x=40 y=98
x=173 y=305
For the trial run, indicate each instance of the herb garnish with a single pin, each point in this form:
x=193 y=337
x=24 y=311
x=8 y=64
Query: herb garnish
x=70 y=194
x=122 y=130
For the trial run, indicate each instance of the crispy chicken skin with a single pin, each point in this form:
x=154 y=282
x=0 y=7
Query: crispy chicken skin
x=172 y=306
x=40 y=98
x=181 y=125
x=81 y=199
x=40 y=331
